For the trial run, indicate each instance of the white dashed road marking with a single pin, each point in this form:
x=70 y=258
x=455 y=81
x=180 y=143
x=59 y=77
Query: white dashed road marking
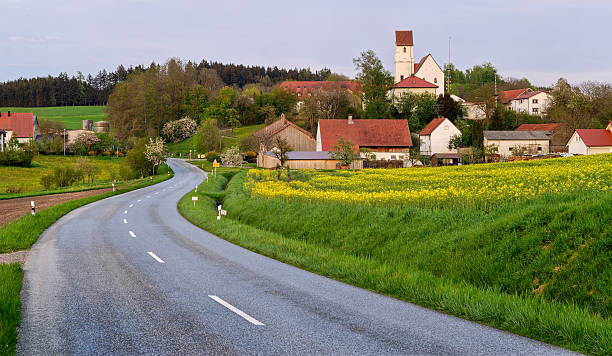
x=131 y=205
x=125 y=211
x=132 y=234
x=125 y=221
x=246 y=316
x=155 y=257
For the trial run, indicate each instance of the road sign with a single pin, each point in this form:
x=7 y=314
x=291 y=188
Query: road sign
x=216 y=164
x=194 y=198
x=223 y=212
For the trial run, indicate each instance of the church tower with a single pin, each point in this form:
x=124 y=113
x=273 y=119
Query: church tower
x=404 y=55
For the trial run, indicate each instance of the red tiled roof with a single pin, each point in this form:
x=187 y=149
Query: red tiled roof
x=403 y=38
x=432 y=126
x=538 y=127
x=365 y=133
x=595 y=137
x=508 y=95
x=22 y=124
x=414 y=82
x=305 y=87
x=417 y=66
x=529 y=94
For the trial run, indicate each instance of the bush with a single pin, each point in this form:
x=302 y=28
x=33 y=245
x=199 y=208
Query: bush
x=18 y=158
x=137 y=159
x=46 y=181
x=250 y=143
x=66 y=175
x=212 y=155
x=85 y=144
x=14 y=189
x=126 y=172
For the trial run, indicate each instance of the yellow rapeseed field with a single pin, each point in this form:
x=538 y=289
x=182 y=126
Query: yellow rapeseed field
x=475 y=185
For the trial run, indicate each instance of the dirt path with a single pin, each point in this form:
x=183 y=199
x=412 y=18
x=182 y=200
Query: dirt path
x=12 y=257
x=12 y=209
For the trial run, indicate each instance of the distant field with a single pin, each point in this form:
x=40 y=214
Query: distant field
x=70 y=116
x=28 y=179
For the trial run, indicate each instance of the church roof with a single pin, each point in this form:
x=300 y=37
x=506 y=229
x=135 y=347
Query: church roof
x=403 y=38
x=414 y=82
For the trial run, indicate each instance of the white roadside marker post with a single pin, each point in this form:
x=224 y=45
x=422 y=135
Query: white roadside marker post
x=33 y=208
x=220 y=212
x=196 y=189
x=113 y=186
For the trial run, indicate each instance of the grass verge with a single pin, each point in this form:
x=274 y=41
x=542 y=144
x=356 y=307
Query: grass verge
x=10 y=306
x=355 y=262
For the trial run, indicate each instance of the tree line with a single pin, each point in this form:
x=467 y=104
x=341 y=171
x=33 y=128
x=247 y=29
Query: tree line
x=79 y=89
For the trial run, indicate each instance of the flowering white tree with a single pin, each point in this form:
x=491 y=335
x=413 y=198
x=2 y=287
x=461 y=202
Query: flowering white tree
x=232 y=157
x=178 y=130
x=155 y=152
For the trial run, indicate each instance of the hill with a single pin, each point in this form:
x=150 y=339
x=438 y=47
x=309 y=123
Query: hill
x=69 y=116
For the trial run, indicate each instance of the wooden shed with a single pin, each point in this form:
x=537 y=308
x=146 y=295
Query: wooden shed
x=298 y=138
x=304 y=160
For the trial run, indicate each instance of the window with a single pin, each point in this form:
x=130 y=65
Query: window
x=393 y=157
x=577 y=138
x=539 y=148
x=435 y=80
x=299 y=94
x=534 y=101
x=535 y=110
x=404 y=49
x=401 y=77
x=510 y=149
x=521 y=101
x=401 y=157
x=445 y=127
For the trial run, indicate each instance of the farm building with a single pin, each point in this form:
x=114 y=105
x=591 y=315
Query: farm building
x=445 y=159
x=387 y=139
x=558 y=137
x=303 y=160
x=436 y=136
x=23 y=126
x=591 y=141
x=298 y=138
x=510 y=142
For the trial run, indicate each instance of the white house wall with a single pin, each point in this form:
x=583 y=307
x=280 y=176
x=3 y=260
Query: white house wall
x=431 y=72
x=575 y=145
x=504 y=146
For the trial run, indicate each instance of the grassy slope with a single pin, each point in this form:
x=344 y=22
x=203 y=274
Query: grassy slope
x=70 y=116
x=229 y=140
x=28 y=179
x=454 y=261
x=22 y=234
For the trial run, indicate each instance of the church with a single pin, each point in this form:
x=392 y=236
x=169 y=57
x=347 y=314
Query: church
x=425 y=76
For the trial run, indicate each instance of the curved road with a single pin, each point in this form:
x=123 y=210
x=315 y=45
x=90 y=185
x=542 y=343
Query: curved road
x=129 y=275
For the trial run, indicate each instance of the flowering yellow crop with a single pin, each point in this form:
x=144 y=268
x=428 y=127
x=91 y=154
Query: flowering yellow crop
x=476 y=185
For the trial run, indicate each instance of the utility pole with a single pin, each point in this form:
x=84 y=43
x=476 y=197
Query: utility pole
x=64 y=142
x=496 y=90
x=448 y=67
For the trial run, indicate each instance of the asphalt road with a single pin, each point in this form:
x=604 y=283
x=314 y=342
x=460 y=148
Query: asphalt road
x=129 y=275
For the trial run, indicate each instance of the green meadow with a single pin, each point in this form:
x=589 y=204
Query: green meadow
x=70 y=116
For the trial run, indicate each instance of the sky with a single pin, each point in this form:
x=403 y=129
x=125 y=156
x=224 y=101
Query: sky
x=541 y=40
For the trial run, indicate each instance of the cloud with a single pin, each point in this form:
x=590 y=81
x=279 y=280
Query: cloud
x=21 y=39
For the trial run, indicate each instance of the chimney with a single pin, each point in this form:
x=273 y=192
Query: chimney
x=350 y=119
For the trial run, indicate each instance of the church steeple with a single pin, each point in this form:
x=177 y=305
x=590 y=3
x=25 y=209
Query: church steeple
x=404 y=55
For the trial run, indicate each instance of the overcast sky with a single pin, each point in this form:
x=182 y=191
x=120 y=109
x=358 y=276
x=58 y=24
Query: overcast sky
x=538 y=39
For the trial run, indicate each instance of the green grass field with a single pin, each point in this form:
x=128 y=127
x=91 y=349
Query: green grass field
x=539 y=266
x=27 y=180
x=69 y=116
x=229 y=139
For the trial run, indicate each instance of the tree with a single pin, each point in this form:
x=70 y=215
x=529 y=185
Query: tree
x=281 y=150
x=87 y=169
x=232 y=157
x=344 y=151
x=448 y=107
x=155 y=152
x=208 y=138
x=376 y=83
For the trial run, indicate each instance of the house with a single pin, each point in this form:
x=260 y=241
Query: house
x=445 y=159
x=23 y=126
x=559 y=134
x=526 y=101
x=298 y=138
x=511 y=143
x=304 y=160
x=427 y=68
x=413 y=84
x=305 y=89
x=387 y=139
x=436 y=136
x=472 y=110
x=591 y=141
